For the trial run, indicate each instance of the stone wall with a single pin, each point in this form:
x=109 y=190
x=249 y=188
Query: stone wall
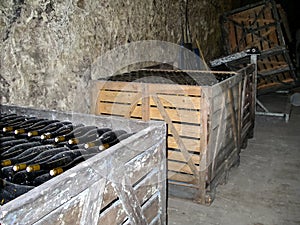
x=48 y=46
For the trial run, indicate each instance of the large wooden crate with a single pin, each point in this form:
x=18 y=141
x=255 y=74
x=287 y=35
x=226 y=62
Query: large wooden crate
x=206 y=124
x=125 y=184
x=261 y=25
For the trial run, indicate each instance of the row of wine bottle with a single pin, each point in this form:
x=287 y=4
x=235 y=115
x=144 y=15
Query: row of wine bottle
x=34 y=150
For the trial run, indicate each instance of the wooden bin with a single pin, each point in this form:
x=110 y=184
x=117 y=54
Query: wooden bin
x=125 y=184
x=262 y=25
x=206 y=124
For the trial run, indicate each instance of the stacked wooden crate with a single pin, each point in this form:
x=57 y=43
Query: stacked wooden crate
x=262 y=25
x=125 y=184
x=207 y=124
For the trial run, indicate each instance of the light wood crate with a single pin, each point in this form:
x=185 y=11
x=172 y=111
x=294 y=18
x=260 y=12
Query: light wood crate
x=207 y=125
x=125 y=184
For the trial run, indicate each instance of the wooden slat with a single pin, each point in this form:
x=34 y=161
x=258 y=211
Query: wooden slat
x=177 y=101
x=175 y=155
x=117 y=96
x=180 y=177
x=191 y=144
x=151 y=208
x=175 y=89
x=178 y=115
x=188 y=130
x=119 y=86
x=180 y=167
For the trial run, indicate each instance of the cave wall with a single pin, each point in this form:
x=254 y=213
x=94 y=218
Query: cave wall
x=48 y=47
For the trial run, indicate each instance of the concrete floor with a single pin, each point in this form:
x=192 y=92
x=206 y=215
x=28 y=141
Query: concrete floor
x=265 y=188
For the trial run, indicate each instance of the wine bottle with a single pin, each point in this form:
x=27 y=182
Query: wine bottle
x=23 y=177
x=57 y=160
x=49 y=128
x=39 y=125
x=15 y=150
x=14 y=190
x=6 y=138
x=5 y=196
x=41 y=179
x=75 y=133
x=58 y=170
x=26 y=155
x=7 y=172
x=110 y=138
x=61 y=131
x=28 y=129
x=19 y=129
x=8 y=116
x=8 y=144
x=44 y=156
x=8 y=126
x=13 y=121
x=89 y=136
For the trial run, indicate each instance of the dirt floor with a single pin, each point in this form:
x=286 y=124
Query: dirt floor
x=265 y=188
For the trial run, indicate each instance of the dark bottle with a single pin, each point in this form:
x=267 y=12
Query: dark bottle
x=15 y=150
x=39 y=125
x=7 y=172
x=5 y=196
x=23 y=177
x=58 y=170
x=75 y=133
x=44 y=156
x=110 y=138
x=9 y=126
x=14 y=190
x=49 y=128
x=26 y=155
x=89 y=136
x=8 y=116
x=6 y=138
x=14 y=121
x=61 y=131
x=19 y=129
x=57 y=160
x=41 y=179
x=9 y=144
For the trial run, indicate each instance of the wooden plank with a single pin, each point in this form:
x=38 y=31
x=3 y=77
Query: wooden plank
x=145 y=102
x=188 y=130
x=191 y=144
x=119 y=86
x=151 y=208
x=186 y=90
x=177 y=156
x=177 y=101
x=234 y=122
x=117 y=96
x=178 y=115
x=180 y=177
x=181 y=167
x=214 y=145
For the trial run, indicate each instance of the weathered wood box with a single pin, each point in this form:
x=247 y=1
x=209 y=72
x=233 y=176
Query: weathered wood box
x=207 y=125
x=262 y=25
x=125 y=184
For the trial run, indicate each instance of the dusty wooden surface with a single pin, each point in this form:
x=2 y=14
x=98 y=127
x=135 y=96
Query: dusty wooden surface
x=127 y=182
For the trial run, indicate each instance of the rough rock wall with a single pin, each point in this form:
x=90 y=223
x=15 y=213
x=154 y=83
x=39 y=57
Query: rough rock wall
x=48 y=46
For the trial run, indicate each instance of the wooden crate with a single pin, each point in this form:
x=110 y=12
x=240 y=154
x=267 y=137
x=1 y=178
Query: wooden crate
x=126 y=184
x=261 y=25
x=206 y=124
